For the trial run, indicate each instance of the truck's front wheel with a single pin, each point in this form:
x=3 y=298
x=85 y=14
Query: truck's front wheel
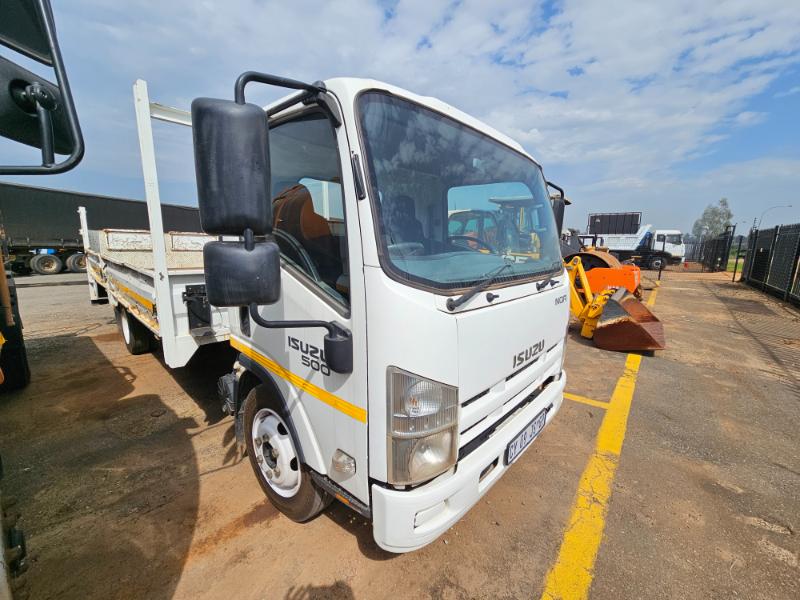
x=657 y=263
x=272 y=449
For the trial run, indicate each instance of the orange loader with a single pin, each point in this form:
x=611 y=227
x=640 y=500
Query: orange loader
x=604 y=270
x=614 y=318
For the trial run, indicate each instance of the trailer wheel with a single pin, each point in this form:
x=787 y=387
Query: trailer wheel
x=46 y=264
x=138 y=338
x=76 y=263
x=272 y=448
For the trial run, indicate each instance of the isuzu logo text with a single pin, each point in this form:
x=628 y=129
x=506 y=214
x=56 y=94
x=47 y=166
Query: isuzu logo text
x=310 y=355
x=528 y=354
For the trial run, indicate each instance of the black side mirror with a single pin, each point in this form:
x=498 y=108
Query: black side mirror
x=34 y=111
x=231 y=153
x=559 y=203
x=231 y=159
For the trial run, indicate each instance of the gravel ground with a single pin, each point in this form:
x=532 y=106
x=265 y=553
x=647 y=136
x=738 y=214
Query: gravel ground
x=130 y=486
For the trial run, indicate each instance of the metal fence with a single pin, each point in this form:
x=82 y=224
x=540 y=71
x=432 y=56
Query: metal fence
x=711 y=253
x=772 y=263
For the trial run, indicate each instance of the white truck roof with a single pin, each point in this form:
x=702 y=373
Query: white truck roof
x=347 y=89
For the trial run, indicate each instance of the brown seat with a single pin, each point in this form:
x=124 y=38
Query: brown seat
x=293 y=212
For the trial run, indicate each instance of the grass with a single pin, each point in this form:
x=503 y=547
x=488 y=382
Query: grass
x=732 y=262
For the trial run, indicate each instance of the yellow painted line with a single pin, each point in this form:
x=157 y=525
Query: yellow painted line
x=138 y=297
x=572 y=574
x=585 y=400
x=651 y=299
x=343 y=406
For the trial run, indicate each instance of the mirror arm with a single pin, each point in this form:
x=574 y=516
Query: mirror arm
x=275 y=80
x=333 y=329
x=45 y=104
x=560 y=190
x=309 y=92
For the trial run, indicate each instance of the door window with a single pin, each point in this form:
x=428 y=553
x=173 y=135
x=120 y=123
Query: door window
x=307 y=202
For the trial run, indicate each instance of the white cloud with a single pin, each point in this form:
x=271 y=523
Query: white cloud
x=750 y=186
x=746 y=118
x=790 y=92
x=641 y=86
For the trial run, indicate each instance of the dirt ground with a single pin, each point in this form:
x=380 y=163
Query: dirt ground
x=130 y=487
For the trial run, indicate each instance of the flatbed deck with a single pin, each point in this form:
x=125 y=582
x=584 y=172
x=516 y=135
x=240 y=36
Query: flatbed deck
x=121 y=269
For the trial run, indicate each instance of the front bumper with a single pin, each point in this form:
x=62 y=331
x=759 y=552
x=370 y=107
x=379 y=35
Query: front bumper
x=403 y=521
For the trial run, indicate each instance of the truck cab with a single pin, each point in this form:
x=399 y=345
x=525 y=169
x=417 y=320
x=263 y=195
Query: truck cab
x=671 y=242
x=456 y=346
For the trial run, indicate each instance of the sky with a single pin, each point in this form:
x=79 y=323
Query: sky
x=659 y=107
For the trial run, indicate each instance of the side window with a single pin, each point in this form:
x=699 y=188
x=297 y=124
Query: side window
x=660 y=237
x=307 y=202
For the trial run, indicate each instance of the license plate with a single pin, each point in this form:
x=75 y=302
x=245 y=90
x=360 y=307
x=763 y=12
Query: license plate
x=525 y=437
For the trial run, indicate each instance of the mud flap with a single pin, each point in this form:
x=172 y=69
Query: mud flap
x=627 y=325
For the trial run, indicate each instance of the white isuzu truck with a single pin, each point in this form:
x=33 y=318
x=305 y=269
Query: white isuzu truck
x=385 y=360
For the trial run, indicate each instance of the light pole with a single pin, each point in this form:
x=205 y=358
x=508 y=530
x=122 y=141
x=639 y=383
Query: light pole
x=769 y=209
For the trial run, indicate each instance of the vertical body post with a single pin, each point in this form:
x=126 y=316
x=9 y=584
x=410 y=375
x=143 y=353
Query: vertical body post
x=664 y=251
x=93 y=295
x=164 y=301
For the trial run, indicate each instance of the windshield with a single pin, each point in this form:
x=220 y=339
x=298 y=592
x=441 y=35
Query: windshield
x=674 y=238
x=452 y=204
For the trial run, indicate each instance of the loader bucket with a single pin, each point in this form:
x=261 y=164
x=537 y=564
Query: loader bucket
x=627 y=325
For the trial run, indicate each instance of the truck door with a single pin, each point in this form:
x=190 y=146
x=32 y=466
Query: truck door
x=320 y=252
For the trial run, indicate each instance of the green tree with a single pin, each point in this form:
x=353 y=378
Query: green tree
x=713 y=220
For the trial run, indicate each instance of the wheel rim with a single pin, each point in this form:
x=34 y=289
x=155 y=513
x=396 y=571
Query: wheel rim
x=47 y=264
x=275 y=453
x=126 y=327
x=81 y=262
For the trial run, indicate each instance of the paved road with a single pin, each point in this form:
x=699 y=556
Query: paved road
x=130 y=486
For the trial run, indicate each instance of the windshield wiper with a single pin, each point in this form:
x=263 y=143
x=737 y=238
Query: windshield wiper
x=488 y=279
x=551 y=281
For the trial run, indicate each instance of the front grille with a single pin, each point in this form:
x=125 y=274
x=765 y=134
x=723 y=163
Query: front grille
x=470 y=446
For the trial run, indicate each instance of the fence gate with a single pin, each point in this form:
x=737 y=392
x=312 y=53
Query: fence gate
x=712 y=253
x=773 y=261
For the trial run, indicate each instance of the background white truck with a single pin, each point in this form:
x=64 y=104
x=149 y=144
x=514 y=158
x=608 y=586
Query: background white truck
x=648 y=247
x=383 y=361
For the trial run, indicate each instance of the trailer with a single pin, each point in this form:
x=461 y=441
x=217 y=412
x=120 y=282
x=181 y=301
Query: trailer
x=47 y=241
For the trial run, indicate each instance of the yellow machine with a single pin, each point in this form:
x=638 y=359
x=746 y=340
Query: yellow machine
x=613 y=318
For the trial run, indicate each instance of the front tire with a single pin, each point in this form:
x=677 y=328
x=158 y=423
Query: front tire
x=657 y=263
x=272 y=448
x=138 y=338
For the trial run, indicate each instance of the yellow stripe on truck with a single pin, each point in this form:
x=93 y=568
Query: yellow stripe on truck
x=138 y=297
x=343 y=406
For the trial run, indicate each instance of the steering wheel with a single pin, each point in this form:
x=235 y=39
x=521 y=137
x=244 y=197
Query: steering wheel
x=468 y=239
x=306 y=259
x=405 y=249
